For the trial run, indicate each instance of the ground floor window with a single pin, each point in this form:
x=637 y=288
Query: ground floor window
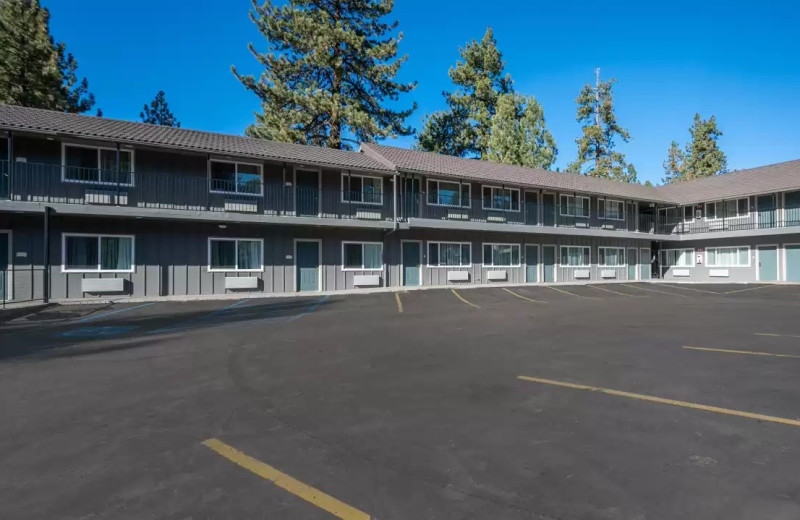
x=449 y=254
x=576 y=256
x=501 y=255
x=611 y=256
x=362 y=256
x=97 y=253
x=677 y=257
x=235 y=254
x=728 y=256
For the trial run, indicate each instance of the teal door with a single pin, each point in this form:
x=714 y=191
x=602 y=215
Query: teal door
x=307 y=263
x=411 y=262
x=766 y=212
x=768 y=263
x=531 y=264
x=549 y=262
x=793 y=263
x=4 y=273
x=307 y=192
x=632 y=262
x=549 y=210
x=644 y=264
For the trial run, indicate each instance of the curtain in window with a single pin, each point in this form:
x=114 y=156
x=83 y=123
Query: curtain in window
x=373 y=256
x=116 y=253
x=81 y=253
x=450 y=254
x=249 y=254
x=574 y=256
x=223 y=254
x=612 y=256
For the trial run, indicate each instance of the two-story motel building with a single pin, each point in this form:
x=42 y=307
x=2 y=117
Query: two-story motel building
x=92 y=207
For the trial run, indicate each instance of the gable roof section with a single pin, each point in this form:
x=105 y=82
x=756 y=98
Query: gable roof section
x=127 y=132
x=429 y=163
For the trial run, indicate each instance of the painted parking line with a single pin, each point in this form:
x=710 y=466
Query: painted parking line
x=616 y=292
x=745 y=352
x=661 y=400
x=750 y=289
x=772 y=335
x=399 y=303
x=695 y=289
x=509 y=291
x=572 y=294
x=182 y=324
x=299 y=489
x=120 y=311
x=654 y=290
x=310 y=309
x=464 y=299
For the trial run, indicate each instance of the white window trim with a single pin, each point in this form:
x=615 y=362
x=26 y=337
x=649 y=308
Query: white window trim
x=236 y=240
x=491 y=187
x=235 y=181
x=64 y=146
x=746 y=215
x=576 y=197
x=715 y=249
x=437 y=181
x=692 y=207
x=691 y=258
x=589 y=256
x=519 y=254
x=98 y=236
x=624 y=256
x=605 y=209
x=346 y=175
x=362 y=244
x=439 y=242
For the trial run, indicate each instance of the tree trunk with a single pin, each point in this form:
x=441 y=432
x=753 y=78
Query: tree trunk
x=335 y=137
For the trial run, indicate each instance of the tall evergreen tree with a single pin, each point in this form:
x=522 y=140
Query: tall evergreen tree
x=463 y=129
x=518 y=133
x=329 y=69
x=158 y=113
x=701 y=157
x=596 y=154
x=35 y=71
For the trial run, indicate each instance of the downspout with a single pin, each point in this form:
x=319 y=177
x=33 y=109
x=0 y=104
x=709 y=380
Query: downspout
x=46 y=251
x=395 y=227
x=10 y=164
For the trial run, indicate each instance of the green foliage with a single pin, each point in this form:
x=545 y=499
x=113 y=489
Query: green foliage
x=328 y=70
x=596 y=154
x=701 y=157
x=158 y=112
x=35 y=71
x=464 y=128
x=518 y=134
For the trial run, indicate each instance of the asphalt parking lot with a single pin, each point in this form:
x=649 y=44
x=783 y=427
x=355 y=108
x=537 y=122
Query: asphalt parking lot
x=615 y=401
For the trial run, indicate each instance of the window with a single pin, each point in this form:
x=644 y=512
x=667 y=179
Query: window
x=728 y=256
x=362 y=256
x=500 y=198
x=501 y=255
x=235 y=177
x=611 y=256
x=677 y=257
x=611 y=209
x=572 y=206
x=449 y=254
x=359 y=188
x=94 y=165
x=443 y=193
x=235 y=254
x=728 y=209
x=83 y=253
x=575 y=256
x=688 y=213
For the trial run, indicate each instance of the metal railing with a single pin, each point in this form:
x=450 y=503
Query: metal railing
x=47 y=183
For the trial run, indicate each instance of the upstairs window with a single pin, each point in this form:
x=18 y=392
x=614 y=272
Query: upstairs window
x=444 y=193
x=611 y=209
x=96 y=165
x=500 y=198
x=363 y=189
x=235 y=177
x=572 y=206
x=734 y=208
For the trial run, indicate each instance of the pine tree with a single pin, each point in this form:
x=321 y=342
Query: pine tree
x=596 y=154
x=701 y=156
x=464 y=128
x=674 y=165
x=34 y=70
x=158 y=112
x=329 y=67
x=518 y=133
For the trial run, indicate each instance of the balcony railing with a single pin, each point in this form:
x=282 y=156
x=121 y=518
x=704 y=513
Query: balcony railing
x=46 y=183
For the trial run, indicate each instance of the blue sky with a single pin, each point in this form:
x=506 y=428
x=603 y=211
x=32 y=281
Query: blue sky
x=739 y=61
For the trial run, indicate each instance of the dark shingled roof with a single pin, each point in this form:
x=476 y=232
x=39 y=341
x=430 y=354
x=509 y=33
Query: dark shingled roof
x=88 y=127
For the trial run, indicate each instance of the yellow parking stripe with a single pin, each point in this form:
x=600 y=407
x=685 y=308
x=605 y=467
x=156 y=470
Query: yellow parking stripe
x=655 y=291
x=571 y=294
x=284 y=481
x=747 y=352
x=464 y=299
x=691 y=289
x=509 y=291
x=750 y=289
x=615 y=292
x=661 y=400
x=399 y=303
